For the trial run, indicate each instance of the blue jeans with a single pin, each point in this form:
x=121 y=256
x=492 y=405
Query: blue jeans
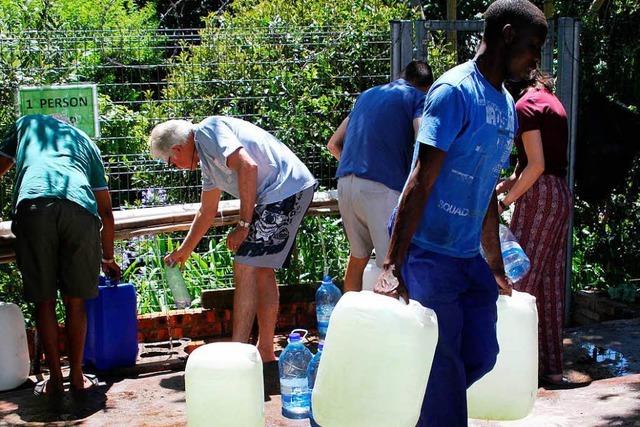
x=463 y=293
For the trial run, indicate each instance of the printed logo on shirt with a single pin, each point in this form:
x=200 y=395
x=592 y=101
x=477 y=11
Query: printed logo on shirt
x=464 y=177
x=453 y=209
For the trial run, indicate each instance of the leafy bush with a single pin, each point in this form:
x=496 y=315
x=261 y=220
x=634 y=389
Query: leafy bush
x=607 y=237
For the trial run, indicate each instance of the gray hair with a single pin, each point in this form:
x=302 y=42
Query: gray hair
x=166 y=135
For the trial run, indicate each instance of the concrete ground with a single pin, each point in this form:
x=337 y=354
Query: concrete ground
x=158 y=398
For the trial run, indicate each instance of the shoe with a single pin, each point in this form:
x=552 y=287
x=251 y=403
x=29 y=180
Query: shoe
x=563 y=384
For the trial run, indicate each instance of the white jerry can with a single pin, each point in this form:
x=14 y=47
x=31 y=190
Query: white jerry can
x=224 y=386
x=509 y=391
x=370 y=275
x=375 y=363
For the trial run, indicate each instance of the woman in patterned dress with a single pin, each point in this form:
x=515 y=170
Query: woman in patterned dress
x=543 y=202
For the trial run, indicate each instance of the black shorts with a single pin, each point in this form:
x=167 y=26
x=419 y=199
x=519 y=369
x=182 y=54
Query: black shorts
x=58 y=246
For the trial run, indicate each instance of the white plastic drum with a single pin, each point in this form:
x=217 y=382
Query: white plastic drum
x=14 y=352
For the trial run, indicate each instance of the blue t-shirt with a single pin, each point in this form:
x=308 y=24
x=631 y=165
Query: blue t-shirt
x=475 y=124
x=280 y=173
x=379 y=137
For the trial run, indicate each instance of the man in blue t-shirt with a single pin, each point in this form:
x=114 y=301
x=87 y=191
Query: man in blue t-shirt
x=374 y=145
x=449 y=207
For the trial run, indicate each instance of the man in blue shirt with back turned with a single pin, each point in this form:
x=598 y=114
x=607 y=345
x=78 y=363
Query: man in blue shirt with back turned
x=374 y=145
x=449 y=206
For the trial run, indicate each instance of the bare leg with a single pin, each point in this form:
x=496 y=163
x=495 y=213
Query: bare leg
x=76 y=327
x=245 y=301
x=353 y=275
x=47 y=326
x=268 y=300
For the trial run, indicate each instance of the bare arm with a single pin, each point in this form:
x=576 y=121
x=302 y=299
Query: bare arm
x=5 y=164
x=336 y=141
x=491 y=245
x=532 y=141
x=416 y=126
x=247 y=169
x=103 y=199
x=412 y=204
x=201 y=223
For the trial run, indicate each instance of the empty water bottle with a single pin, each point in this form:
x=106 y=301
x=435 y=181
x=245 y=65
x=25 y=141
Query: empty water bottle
x=294 y=386
x=312 y=371
x=327 y=297
x=181 y=297
x=516 y=262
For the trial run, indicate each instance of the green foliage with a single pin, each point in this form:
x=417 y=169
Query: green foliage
x=289 y=66
x=211 y=267
x=607 y=237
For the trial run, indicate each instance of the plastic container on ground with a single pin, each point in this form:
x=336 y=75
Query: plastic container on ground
x=327 y=297
x=375 y=362
x=312 y=372
x=14 y=352
x=370 y=275
x=294 y=387
x=224 y=386
x=112 y=327
x=509 y=391
x=516 y=262
x=181 y=297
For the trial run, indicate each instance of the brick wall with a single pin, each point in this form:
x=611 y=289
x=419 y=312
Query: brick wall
x=202 y=323
x=594 y=307
x=199 y=323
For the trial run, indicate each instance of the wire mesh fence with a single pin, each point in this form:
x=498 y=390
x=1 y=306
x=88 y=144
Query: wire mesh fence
x=297 y=83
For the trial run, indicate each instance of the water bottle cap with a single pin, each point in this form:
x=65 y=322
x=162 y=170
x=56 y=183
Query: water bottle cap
x=327 y=279
x=294 y=337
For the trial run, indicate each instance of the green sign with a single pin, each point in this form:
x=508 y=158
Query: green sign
x=78 y=103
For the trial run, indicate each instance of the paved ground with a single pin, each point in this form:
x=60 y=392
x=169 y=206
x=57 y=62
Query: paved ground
x=157 y=399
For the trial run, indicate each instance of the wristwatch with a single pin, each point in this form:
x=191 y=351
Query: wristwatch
x=244 y=224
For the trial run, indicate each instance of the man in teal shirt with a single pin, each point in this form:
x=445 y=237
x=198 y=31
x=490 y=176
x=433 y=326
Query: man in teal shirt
x=63 y=224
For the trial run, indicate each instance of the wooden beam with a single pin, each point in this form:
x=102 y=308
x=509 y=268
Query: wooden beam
x=168 y=219
x=452 y=15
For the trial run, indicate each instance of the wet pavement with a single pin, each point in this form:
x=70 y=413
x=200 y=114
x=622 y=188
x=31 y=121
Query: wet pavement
x=598 y=352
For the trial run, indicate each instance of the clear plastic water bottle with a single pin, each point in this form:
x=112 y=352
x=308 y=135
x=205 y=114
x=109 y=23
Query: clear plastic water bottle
x=327 y=297
x=516 y=262
x=294 y=386
x=181 y=297
x=312 y=371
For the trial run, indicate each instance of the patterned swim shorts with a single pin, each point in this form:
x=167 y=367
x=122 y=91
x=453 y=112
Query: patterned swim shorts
x=273 y=231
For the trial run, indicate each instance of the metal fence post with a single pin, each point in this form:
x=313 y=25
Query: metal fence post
x=421 y=40
x=567 y=90
x=546 y=64
x=401 y=46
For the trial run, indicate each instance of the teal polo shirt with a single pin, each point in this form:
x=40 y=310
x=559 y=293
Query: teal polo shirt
x=53 y=159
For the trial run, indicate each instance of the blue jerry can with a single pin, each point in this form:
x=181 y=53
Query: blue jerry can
x=112 y=327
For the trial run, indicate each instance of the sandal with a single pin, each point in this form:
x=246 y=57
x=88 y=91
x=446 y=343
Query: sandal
x=82 y=392
x=40 y=389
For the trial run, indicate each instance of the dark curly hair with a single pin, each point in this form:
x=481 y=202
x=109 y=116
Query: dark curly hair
x=518 y=13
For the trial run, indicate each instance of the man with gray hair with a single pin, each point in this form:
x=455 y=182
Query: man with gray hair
x=275 y=190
